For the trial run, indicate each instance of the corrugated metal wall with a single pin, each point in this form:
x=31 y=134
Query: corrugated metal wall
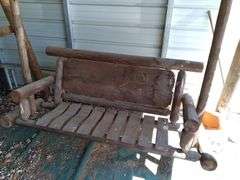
x=44 y=23
x=121 y=26
x=131 y=27
x=190 y=36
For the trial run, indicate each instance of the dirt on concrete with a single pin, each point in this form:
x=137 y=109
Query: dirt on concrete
x=5 y=104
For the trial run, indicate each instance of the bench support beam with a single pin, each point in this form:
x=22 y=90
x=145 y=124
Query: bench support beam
x=126 y=59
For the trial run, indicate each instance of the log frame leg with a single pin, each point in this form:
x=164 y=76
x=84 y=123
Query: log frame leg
x=17 y=22
x=189 y=136
x=8 y=120
x=180 y=83
x=35 y=68
x=58 y=81
x=189 y=140
x=25 y=110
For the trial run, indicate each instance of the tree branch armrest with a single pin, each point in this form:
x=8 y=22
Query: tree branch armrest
x=30 y=89
x=190 y=116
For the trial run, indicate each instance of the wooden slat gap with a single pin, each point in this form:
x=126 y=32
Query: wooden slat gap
x=84 y=120
x=123 y=129
x=71 y=117
x=105 y=135
x=133 y=127
x=139 y=132
x=58 y=115
x=105 y=110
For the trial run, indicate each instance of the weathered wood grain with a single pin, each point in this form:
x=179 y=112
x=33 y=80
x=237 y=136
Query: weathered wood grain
x=116 y=128
x=58 y=122
x=77 y=120
x=162 y=134
x=88 y=126
x=35 y=68
x=47 y=118
x=117 y=104
x=231 y=81
x=188 y=140
x=145 y=138
x=220 y=28
x=103 y=126
x=58 y=82
x=8 y=120
x=117 y=82
x=30 y=89
x=22 y=49
x=190 y=116
x=164 y=150
x=133 y=128
x=25 y=109
x=126 y=59
x=178 y=93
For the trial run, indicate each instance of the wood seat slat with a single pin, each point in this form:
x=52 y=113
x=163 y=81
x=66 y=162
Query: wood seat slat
x=162 y=133
x=47 y=118
x=58 y=122
x=124 y=127
x=133 y=128
x=104 y=124
x=145 y=138
x=115 y=130
x=91 y=121
x=75 y=121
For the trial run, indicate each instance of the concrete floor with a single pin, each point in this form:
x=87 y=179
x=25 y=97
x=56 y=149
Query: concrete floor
x=29 y=153
x=53 y=156
x=224 y=144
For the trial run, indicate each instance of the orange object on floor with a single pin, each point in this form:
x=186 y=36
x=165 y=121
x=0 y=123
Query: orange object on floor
x=210 y=121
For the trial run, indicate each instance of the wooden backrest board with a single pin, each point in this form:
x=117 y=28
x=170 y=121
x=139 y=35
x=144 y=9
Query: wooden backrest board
x=119 y=82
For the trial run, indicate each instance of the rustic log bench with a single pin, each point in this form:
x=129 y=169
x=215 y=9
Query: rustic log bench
x=130 y=101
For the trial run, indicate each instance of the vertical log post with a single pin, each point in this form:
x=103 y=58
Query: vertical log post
x=188 y=137
x=25 y=110
x=22 y=49
x=58 y=82
x=231 y=81
x=212 y=28
x=180 y=83
x=222 y=20
x=35 y=68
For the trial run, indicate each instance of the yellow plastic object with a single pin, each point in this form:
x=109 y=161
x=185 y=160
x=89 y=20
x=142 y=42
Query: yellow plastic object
x=210 y=121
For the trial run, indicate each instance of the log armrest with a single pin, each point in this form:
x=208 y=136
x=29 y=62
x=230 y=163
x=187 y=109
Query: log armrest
x=190 y=116
x=28 y=90
x=188 y=137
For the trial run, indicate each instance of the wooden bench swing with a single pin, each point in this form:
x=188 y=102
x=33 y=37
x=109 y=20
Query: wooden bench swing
x=112 y=98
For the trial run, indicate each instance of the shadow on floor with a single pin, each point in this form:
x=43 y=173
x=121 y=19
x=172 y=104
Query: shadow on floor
x=26 y=153
x=110 y=162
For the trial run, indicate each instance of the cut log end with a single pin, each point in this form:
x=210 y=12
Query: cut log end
x=28 y=90
x=6 y=122
x=208 y=162
x=15 y=97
